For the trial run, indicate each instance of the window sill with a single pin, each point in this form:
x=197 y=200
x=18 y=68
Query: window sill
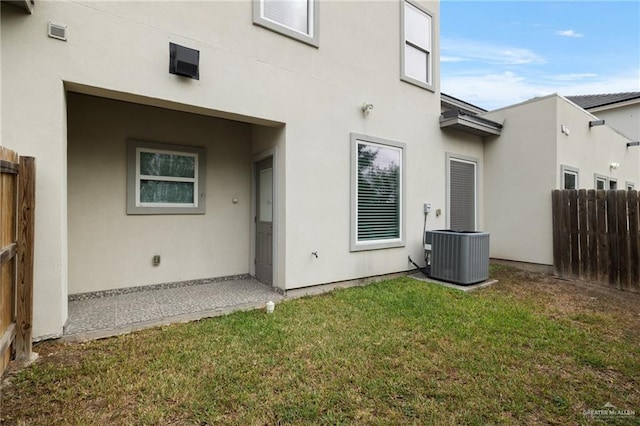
x=361 y=246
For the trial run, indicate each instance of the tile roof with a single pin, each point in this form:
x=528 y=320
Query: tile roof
x=593 y=101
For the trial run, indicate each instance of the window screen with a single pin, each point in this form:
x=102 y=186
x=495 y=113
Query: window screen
x=290 y=13
x=378 y=192
x=165 y=179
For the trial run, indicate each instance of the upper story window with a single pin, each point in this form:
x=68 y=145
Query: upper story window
x=165 y=179
x=417 y=36
x=297 y=19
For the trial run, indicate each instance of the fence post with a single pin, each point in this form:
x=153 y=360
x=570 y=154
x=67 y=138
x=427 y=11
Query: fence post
x=603 y=241
x=612 y=227
x=623 y=239
x=583 y=231
x=573 y=232
x=26 y=218
x=556 y=208
x=592 y=235
x=634 y=255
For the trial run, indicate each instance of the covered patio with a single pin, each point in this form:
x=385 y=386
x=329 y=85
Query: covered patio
x=95 y=315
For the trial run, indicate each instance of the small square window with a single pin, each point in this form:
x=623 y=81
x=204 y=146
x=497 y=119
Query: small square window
x=630 y=186
x=605 y=182
x=569 y=177
x=377 y=193
x=417 y=36
x=296 y=19
x=165 y=179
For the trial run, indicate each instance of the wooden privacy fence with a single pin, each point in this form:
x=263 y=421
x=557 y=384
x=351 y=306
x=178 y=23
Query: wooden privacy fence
x=17 y=202
x=596 y=238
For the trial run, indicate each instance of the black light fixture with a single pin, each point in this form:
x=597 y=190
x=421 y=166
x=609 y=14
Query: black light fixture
x=594 y=123
x=184 y=61
x=637 y=143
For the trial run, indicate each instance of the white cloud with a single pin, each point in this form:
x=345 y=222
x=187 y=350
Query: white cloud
x=451 y=59
x=569 y=33
x=572 y=77
x=495 y=90
x=472 y=50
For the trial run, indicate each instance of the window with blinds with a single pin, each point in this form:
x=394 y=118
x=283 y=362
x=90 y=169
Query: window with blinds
x=164 y=178
x=462 y=195
x=378 y=188
x=416 y=49
x=297 y=19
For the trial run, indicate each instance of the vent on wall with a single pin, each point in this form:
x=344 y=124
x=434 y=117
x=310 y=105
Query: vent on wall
x=57 y=31
x=184 y=61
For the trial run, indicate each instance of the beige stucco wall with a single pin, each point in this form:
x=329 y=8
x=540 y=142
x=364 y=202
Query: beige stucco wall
x=625 y=118
x=592 y=150
x=523 y=165
x=110 y=249
x=247 y=73
x=519 y=175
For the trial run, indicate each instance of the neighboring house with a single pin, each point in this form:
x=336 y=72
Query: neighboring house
x=546 y=143
x=271 y=154
x=619 y=110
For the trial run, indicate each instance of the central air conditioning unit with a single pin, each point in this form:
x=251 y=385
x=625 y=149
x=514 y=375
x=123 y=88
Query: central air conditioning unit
x=460 y=257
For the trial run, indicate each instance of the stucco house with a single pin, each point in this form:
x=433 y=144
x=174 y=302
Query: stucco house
x=546 y=143
x=298 y=143
x=619 y=110
x=227 y=138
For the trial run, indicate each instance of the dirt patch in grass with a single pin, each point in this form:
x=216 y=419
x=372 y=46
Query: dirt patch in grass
x=571 y=299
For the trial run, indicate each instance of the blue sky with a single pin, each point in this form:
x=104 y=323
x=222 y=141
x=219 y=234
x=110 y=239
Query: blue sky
x=497 y=53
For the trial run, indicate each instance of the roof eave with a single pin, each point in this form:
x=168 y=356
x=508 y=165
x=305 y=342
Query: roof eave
x=470 y=124
x=22 y=4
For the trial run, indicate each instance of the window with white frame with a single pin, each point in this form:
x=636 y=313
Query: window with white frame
x=613 y=184
x=377 y=188
x=600 y=182
x=165 y=179
x=417 y=36
x=297 y=19
x=630 y=186
x=569 y=177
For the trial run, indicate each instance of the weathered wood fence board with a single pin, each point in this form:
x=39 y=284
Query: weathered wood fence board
x=17 y=202
x=596 y=236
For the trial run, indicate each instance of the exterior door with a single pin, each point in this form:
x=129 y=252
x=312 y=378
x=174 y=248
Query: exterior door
x=462 y=194
x=264 y=221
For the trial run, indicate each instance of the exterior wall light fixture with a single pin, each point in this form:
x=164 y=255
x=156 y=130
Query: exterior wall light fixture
x=367 y=107
x=614 y=166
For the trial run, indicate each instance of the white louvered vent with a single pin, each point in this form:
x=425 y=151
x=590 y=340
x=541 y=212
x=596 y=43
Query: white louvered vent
x=57 y=31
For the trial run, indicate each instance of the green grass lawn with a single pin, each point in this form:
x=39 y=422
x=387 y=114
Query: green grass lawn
x=528 y=350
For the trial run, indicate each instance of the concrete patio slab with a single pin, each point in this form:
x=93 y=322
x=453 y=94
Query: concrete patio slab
x=111 y=315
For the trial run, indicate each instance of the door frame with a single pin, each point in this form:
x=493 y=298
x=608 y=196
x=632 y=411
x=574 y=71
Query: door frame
x=256 y=158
